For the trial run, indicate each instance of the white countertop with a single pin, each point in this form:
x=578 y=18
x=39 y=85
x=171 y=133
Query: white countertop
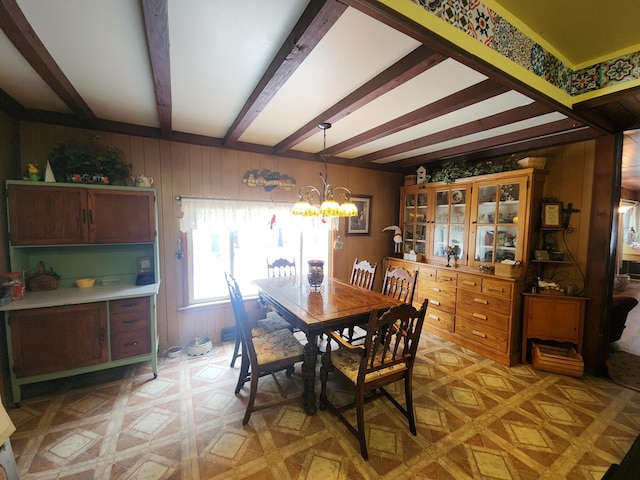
x=75 y=296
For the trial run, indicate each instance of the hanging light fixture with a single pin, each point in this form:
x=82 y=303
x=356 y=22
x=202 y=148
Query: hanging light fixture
x=314 y=202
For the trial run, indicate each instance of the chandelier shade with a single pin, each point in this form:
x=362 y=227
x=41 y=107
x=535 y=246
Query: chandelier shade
x=321 y=202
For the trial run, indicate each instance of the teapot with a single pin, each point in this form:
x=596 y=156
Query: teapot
x=142 y=181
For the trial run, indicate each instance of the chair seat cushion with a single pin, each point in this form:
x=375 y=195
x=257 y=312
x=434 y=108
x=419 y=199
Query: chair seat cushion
x=348 y=363
x=276 y=346
x=272 y=323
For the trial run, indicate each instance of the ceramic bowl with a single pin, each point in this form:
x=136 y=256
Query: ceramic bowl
x=85 y=282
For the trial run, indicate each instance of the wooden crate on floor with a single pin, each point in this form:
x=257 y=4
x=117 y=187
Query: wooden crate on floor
x=563 y=360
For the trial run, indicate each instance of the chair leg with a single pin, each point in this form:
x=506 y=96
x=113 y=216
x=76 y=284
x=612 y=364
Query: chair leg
x=252 y=397
x=236 y=348
x=408 y=395
x=360 y=417
x=244 y=371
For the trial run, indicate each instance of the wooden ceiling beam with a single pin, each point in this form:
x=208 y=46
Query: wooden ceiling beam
x=156 y=22
x=469 y=96
x=18 y=30
x=416 y=62
x=493 y=121
x=315 y=22
x=547 y=134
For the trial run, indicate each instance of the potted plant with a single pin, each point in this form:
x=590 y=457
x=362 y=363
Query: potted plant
x=88 y=161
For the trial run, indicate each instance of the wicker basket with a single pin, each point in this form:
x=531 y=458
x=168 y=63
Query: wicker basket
x=533 y=162
x=410 y=180
x=508 y=270
x=42 y=282
x=563 y=360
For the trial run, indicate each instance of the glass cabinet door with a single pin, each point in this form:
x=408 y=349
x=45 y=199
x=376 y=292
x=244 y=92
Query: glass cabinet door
x=496 y=219
x=414 y=222
x=450 y=212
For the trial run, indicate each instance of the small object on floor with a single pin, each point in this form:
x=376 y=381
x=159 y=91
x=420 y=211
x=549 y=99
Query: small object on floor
x=199 y=346
x=173 y=352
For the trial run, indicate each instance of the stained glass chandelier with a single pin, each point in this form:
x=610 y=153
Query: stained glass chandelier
x=321 y=202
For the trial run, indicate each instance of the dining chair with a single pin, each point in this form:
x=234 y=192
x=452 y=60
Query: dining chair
x=387 y=356
x=265 y=322
x=281 y=268
x=400 y=284
x=263 y=354
x=363 y=274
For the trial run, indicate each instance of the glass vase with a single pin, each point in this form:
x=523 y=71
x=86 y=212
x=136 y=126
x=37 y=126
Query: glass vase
x=316 y=273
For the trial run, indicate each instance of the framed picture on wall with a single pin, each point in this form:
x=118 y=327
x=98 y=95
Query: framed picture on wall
x=361 y=223
x=551 y=214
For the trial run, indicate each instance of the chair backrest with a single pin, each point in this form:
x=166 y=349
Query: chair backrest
x=281 y=268
x=399 y=284
x=363 y=273
x=240 y=314
x=392 y=338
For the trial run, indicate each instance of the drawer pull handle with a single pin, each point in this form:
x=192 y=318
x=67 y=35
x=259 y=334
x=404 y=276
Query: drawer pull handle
x=434 y=302
x=435 y=289
x=128 y=305
x=131 y=344
x=481 y=300
x=469 y=282
x=434 y=317
x=132 y=321
x=446 y=279
x=496 y=289
x=479 y=334
x=480 y=316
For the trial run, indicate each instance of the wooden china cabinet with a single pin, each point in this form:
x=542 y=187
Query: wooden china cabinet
x=486 y=219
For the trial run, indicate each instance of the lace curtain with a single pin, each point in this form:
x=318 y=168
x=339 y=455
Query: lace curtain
x=232 y=213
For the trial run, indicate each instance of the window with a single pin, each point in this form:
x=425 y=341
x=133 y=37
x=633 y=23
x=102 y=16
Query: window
x=238 y=237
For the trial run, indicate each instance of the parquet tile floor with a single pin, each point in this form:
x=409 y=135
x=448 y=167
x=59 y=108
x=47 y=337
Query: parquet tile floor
x=476 y=420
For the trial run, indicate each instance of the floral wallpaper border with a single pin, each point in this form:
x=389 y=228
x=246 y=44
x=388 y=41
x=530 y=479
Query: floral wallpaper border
x=486 y=26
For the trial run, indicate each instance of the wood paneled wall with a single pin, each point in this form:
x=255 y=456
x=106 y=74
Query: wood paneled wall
x=194 y=170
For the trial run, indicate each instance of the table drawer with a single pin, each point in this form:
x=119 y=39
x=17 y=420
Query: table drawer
x=487 y=303
x=497 y=287
x=123 y=322
x=138 y=304
x=426 y=274
x=484 y=316
x=439 y=319
x=470 y=282
x=130 y=343
x=482 y=334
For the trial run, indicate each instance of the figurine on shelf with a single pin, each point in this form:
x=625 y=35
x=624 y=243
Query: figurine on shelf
x=452 y=251
x=397 y=239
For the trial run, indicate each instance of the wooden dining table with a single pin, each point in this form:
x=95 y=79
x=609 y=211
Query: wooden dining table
x=333 y=305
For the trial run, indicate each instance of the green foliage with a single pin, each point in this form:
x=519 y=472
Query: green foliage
x=450 y=171
x=73 y=160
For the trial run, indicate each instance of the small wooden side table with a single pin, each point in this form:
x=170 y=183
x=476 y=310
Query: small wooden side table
x=553 y=317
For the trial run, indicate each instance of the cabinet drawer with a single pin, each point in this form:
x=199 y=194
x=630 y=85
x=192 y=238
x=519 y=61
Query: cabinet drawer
x=439 y=319
x=446 y=277
x=497 y=287
x=482 y=334
x=123 y=322
x=475 y=301
x=470 y=282
x=426 y=274
x=130 y=343
x=484 y=316
x=439 y=298
x=140 y=304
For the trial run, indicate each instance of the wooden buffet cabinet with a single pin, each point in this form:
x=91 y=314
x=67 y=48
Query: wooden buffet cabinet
x=487 y=219
x=81 y=231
